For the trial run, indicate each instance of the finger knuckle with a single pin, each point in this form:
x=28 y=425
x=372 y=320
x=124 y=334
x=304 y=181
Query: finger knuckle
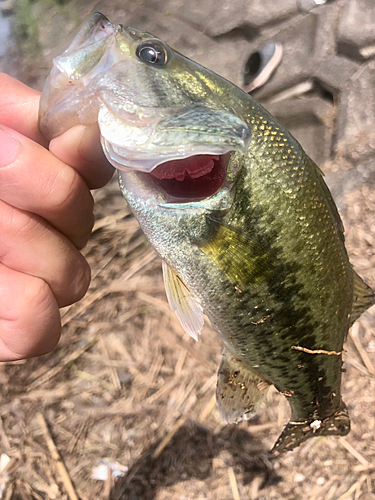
x=37 y=296
x=42 y=308
x=17 y=224
x=34 y=327
x=66 y=190
x=82 y=240
x=81 y=281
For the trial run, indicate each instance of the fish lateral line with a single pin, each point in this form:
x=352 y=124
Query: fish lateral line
x=317 y=351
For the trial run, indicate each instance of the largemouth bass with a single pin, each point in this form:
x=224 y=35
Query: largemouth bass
x=245 y=225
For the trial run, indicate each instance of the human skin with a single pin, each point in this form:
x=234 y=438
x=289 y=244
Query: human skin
x=46 y=217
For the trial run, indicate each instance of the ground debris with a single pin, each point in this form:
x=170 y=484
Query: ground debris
x=126 y=383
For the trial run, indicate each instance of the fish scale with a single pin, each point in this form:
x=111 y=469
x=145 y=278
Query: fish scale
x=263 y=257
x=307 y=322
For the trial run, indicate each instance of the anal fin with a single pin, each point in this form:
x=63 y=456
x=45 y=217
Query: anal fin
x=239 y=391
x=183 y=303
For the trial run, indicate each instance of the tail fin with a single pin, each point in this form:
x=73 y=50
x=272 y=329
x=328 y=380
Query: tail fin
x=298 y=432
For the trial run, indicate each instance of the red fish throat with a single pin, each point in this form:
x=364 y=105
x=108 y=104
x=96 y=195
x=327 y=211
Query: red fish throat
x=196 y=177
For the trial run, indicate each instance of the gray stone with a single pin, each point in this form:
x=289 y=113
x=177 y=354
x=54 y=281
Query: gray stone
x=297 y=41
x=357 y=105
x=334 y=71
x=227 y=15
x=323 y=52
x=310 y=120
x=216 y=17
x=307 y=5
x=326 y=17
x=356 y=28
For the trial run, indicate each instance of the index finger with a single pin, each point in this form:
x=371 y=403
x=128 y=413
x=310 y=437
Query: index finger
x=19 y=106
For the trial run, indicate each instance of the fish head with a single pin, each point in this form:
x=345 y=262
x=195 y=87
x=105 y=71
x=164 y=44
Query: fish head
x=158 y=112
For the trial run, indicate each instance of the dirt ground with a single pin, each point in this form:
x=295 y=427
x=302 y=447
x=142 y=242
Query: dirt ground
x=127 y=390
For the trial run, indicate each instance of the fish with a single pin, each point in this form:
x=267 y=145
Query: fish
x=246 y=227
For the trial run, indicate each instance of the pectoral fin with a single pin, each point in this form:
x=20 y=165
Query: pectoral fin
x=183 y=303
x=243 y=260
x=239 y=391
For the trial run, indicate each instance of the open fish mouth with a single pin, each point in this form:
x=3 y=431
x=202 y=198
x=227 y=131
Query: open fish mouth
x=194 y=178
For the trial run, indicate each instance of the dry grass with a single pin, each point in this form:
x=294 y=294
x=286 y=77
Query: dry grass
x=127 y=385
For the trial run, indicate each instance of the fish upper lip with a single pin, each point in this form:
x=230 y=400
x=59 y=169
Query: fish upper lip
x=136 y=161
x=133 y=117
x=141 y=155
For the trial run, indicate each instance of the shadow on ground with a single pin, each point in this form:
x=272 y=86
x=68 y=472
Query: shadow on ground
x=190 y=455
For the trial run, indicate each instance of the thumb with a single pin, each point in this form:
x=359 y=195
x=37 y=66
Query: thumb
x=80 y=147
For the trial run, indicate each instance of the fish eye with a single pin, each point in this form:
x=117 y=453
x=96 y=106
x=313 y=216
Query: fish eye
x=153 y=52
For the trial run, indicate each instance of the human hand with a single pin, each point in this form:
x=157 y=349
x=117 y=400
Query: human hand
x=46 y=216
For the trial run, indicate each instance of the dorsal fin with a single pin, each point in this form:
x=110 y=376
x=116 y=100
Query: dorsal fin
x=329 y=198
x=363 y=297
x=239 y=391
x=183 y=303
